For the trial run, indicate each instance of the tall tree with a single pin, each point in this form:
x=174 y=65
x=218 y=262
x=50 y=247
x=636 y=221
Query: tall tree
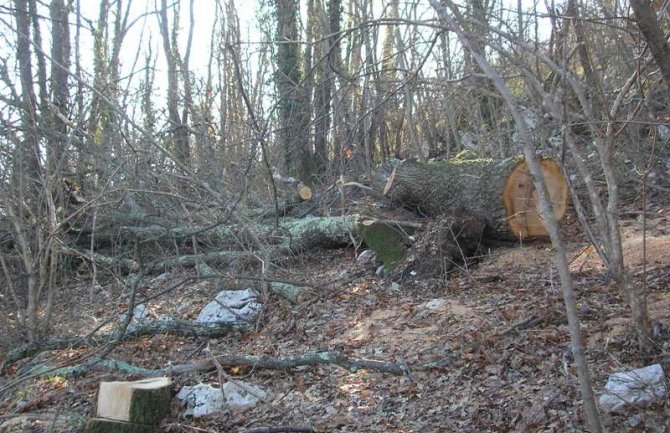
x=408 y=86
x=293 y=112
x=104 y=123
x=326 y=67
x=28 y=154
x=60 y=92
x=488 y=102
x=179 y=129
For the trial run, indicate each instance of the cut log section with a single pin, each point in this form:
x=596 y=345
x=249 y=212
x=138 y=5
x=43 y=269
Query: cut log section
x=499 y=190
x=129 y=406
x=294 y=190
x=304 y=192
x=522 y=202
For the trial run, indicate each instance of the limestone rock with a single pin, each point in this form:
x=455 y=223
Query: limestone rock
x=202 y=399
x=634 y=388
x=231 y=306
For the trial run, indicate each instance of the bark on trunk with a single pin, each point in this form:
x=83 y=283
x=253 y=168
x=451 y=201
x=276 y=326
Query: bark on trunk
x=650 y=28
x=293 y=236
x=500 y=191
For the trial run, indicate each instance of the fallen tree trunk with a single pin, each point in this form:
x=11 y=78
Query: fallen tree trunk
x=498 y=190
x=290 y=230
x=228 y=360
x=293 y=236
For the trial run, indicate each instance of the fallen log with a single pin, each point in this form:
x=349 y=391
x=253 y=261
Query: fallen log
x=293 y=236
x=290 y=230
x=498 y=190
x=292 y=193
x=282 y=429
x=267 y=362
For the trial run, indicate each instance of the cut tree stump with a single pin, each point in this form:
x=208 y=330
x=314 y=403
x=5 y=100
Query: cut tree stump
x=498 y=190
x=131 y=407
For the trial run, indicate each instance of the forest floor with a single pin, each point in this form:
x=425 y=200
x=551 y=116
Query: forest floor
x=499 y=325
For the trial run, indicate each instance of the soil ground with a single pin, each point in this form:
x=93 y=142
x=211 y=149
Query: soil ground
x=498 y=326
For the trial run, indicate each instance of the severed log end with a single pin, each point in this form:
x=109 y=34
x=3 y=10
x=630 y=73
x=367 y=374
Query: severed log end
x=144 y=402
x=499 y=190
x=304 y=192
x=522 y=202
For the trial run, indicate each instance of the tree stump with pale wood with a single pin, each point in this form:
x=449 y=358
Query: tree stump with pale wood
x=131 y=407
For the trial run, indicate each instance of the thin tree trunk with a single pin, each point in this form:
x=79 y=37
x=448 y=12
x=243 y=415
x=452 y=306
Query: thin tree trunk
x=322 y=88
x=607 y=217
x=179 y=130
x=188 y=108
x=39 y=55
x=651 y=29
x=408 y=91
x=28 y=154
x=60 y=91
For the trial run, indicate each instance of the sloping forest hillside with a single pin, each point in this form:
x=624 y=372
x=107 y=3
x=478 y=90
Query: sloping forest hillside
x=328 y=215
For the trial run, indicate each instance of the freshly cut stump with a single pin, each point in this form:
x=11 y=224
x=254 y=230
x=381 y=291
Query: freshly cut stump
x=500 y=191
x=131 y=407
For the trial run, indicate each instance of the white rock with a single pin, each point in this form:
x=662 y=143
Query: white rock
x=140 y=312
x=634 y=388
x=366 y=257
x=435 y=304
x=160 y=279
x=201 y=400
x=231 y=306
x=468 y=140
x=242 y=395
x=330 y=410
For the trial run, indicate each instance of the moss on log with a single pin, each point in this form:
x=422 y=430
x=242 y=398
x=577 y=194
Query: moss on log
x=498 y=190
x=293 y=236
x=386 y=240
